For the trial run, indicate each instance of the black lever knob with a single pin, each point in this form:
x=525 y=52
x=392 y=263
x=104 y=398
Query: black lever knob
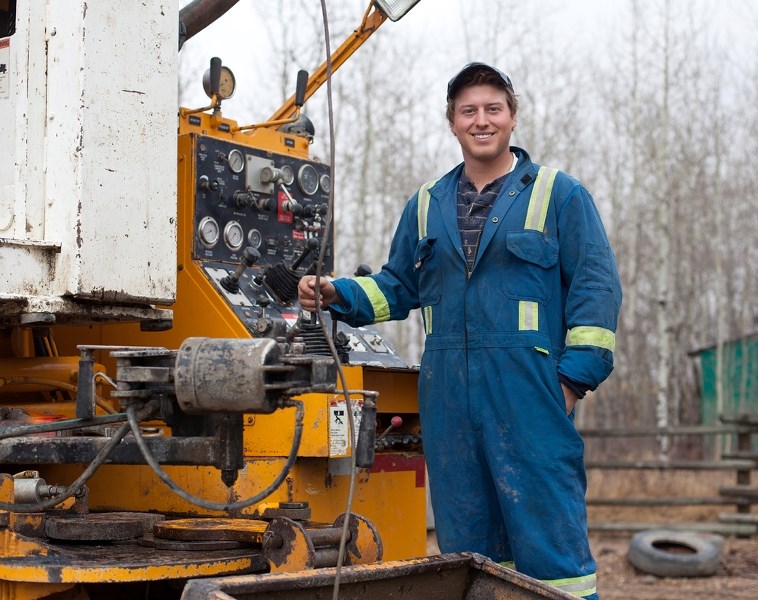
x=363 y=270
x=230 y=283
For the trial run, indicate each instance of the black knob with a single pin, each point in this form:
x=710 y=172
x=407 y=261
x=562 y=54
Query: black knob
x=363 y=270
x=266 y=204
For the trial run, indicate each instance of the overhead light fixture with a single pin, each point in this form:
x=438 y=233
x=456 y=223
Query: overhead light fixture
x=395 y=9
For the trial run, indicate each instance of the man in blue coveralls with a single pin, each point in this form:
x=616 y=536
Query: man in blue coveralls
x=511 y=267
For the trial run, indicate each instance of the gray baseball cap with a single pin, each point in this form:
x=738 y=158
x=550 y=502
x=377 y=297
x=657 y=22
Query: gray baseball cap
x=455 y=84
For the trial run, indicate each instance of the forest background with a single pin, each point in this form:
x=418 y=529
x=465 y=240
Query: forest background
x=650 y=104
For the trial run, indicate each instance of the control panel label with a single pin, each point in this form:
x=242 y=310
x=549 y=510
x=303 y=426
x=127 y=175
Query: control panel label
x=339 y=428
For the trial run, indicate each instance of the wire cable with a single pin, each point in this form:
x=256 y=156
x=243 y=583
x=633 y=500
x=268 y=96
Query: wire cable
x=221 y=506
x=330 y=340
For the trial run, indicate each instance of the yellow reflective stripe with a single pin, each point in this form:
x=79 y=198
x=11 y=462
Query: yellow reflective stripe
x=576 y=586
x=427 y=320
x=592 y=336
x=377 y=299
x=423 y=207
x=528 y=315
x=539 y=201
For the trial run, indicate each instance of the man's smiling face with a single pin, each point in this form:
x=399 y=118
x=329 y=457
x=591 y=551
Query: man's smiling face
x=483 y=123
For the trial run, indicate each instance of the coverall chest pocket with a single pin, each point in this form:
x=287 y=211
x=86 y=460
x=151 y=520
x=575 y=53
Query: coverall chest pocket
x=530 y=260
x=426 y=266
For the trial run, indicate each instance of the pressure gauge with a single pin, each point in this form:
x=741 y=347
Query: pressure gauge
x=254 y=238
x=307 y=179
x=227 y=83
x=288 y=175
x=326 y=183
x=208 y=232
x=234 y=235
x=236 y=161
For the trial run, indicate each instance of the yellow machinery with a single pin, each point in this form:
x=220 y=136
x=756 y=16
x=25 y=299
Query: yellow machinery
x=149 y=438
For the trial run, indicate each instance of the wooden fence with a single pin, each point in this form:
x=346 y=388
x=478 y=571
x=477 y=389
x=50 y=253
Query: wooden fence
x=742 y=495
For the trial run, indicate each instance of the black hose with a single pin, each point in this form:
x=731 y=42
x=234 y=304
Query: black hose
x=219 y=506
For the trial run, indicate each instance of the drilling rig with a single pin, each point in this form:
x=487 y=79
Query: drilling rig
x=167 y=412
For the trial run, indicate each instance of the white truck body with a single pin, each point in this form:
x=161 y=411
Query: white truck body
x=88 y=104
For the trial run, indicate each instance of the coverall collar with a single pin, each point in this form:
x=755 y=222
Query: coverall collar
x=444 y=192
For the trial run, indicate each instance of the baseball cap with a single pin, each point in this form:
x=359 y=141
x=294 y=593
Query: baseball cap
x=455 y=84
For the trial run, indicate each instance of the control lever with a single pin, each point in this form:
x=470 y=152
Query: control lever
x=283 y=280
x=311 y=245
x=301 y=87
x=215 y=80
x=395 y=423
x=230 y=283
x=291 y=205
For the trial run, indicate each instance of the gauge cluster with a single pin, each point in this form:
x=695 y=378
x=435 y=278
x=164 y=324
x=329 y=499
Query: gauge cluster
x=246 y=197
x=275 y=204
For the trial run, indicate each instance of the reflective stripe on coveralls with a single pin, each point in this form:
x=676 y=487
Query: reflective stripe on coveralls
x=576 y=586
x=539 y=201
x=377 y=299
x=423 y=211
x=592 y=336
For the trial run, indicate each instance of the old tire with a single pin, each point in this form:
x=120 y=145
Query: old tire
x=675 y=553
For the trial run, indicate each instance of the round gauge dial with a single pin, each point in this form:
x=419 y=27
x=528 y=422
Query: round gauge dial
x=326 y=183
x=288 y=175
x=307 y=179
x=227 y=83
x=208 y=232
x=236 y=161
x=254 y=238
x=234 y=235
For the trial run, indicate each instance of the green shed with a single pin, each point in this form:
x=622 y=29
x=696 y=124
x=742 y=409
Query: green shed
x=738 y=381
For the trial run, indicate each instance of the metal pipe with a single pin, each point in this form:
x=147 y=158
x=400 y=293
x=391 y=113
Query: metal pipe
x=197 y=15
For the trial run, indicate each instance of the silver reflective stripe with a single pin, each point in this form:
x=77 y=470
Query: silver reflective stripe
x=576 y=586
x=528 y=315
x=423 y=207
x=427 y=320
x=539 y=201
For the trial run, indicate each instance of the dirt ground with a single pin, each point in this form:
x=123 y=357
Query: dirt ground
x=737 y=577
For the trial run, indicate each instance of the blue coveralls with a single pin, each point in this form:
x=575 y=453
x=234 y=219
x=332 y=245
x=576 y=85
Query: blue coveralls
x=505 y=462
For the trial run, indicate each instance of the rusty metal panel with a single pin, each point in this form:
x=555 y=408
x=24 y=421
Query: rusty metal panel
x=463 y=576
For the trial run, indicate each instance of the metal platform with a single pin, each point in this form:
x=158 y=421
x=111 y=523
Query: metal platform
x=463 y=576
